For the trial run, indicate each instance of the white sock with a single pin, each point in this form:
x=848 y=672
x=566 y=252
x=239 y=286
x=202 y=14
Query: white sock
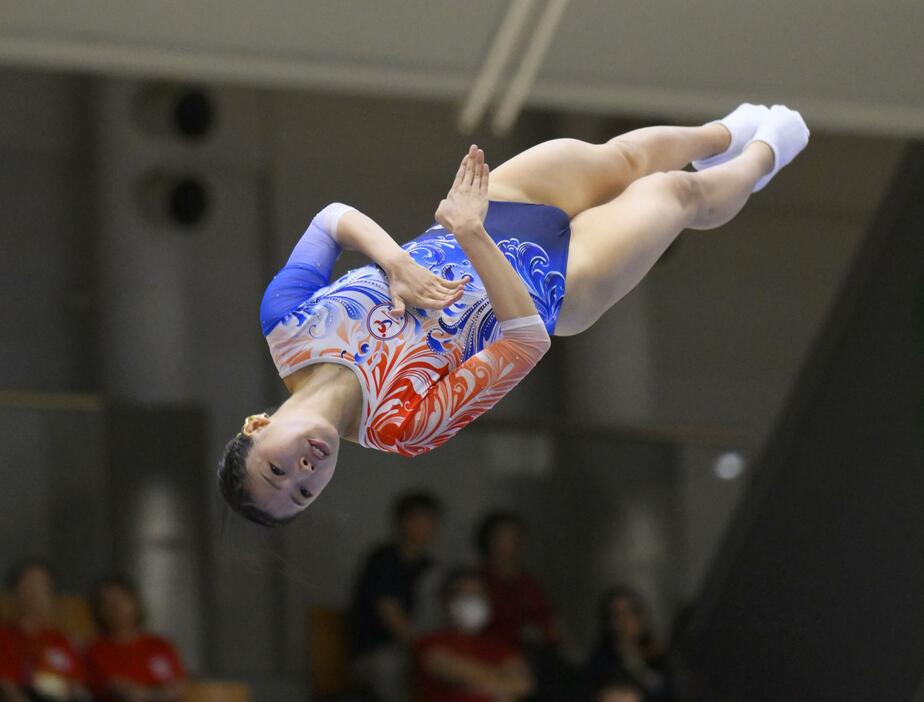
x=784 y=131
x=742 y=122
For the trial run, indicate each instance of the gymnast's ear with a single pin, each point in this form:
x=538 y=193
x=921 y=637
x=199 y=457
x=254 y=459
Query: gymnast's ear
x=255 y=423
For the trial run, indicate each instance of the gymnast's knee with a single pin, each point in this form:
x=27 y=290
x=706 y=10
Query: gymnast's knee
x=630 y=158
x=683 y=188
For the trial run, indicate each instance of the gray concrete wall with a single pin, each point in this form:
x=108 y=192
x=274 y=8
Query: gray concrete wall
x=55 y=503
x=46 y=242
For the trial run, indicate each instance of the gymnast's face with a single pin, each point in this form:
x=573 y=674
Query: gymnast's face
x=291 y=461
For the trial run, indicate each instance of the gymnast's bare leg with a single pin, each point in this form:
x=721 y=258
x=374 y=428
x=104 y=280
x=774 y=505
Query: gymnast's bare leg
x=628 y=201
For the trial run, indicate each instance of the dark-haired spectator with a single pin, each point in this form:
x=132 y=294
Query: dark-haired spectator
x=386 y=596
x=522 y=613
x=463 y=663
x=627 y=648
x=127 y=664
x=37 y=662
x=521 y=610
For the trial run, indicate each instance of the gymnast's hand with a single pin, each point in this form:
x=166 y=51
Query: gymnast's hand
x=466 y=205
x=412 y=284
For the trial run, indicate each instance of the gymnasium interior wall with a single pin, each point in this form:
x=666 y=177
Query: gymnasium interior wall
x=102 y=300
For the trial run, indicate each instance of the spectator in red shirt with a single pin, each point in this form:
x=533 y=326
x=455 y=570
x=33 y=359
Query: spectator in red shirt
x=126 y=664
x=462 y=663
x=522 y=614
x=37 y=663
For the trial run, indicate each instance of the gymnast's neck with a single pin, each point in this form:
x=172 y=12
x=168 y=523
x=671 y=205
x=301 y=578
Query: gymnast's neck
x=328 y=389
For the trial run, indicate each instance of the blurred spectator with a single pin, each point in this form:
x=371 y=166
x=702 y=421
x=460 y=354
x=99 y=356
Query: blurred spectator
x=683 y=678
x=619 y=690
x=386 y=594
x=522 y=614
x=126 y=664
x=37 y=663
x=627 y=648
x=463 y=663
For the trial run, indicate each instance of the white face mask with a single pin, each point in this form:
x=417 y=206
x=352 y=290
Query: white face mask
x=470 y=612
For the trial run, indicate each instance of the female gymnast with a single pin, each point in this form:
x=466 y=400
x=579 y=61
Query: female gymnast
x=401 y=354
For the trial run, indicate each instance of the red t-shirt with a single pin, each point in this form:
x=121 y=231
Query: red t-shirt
x=480 y=647
x=516 y=605
x=146 y=660
x=25 y=656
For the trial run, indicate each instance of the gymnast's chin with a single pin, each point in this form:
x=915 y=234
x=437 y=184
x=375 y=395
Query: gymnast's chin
x=278 y=464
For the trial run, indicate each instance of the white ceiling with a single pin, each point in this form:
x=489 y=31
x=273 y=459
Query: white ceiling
x=850 y=65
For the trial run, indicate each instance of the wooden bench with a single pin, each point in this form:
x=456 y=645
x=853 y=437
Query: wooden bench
x=328 y=652
x=215 y=691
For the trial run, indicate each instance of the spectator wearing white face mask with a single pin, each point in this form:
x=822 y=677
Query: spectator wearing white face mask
x=461 y=663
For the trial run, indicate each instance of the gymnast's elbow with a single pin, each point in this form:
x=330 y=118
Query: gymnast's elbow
x=538 y=341
x=529 y=334
x=530 y=352
x=539 y=348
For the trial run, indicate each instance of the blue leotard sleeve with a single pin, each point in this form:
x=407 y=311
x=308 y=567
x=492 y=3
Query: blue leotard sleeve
x=307 y=270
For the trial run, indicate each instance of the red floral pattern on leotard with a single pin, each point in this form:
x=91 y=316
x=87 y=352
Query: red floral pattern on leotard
x=474 y=387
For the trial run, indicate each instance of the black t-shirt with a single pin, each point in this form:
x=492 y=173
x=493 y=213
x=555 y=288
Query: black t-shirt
x=384 y=574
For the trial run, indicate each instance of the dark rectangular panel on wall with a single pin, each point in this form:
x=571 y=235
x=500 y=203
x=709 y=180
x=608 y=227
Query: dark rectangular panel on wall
x=819 y=592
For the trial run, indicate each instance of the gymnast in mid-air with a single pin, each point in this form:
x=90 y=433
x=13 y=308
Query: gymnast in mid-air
x=401 y=354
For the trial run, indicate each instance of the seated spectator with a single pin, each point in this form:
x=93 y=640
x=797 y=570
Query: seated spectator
x=627 y=649
x=619 y=690
x=37 y=663
x=521 y=612
x=382 y=615
x=126 y=664
x=462 y=663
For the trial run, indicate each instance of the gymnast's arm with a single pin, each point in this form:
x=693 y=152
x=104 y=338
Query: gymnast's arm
x=409 y=283
x=358 y=232
x=340 y=226
x=463 y=212
x=482 y=380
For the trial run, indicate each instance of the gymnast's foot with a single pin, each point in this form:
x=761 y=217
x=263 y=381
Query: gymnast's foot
x=784 y=131
x=741 y=124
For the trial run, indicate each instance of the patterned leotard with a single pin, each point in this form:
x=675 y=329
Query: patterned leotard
x=426 y=377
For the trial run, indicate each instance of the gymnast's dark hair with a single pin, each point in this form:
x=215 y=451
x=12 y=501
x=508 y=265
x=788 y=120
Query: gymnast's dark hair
x=232 y=481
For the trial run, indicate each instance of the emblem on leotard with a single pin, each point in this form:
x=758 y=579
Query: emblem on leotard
x=382 y=325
